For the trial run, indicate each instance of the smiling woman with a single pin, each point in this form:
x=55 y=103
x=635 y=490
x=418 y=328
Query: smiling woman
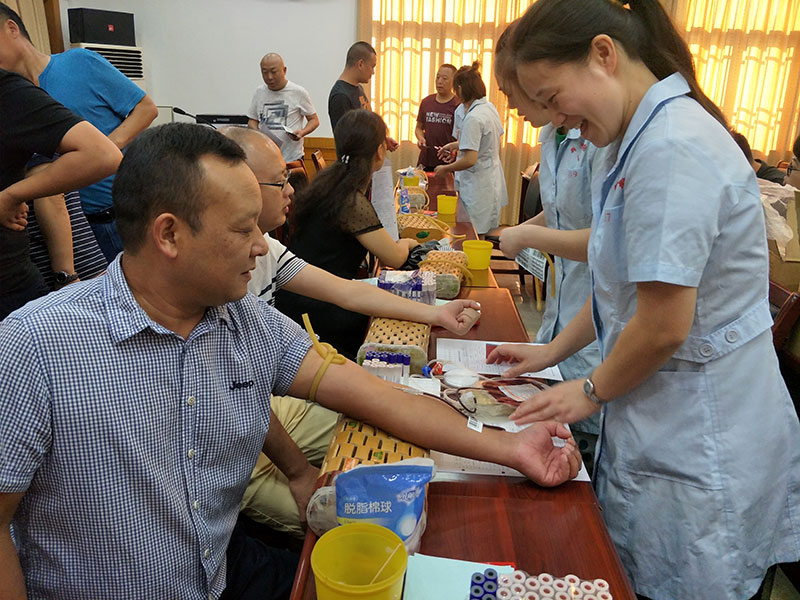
x=679 y=308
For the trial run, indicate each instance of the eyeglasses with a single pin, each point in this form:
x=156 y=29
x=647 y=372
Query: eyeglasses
x=790 y=168
x=280 y=185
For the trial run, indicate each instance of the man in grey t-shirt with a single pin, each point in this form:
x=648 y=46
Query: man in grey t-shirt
x=282 y=109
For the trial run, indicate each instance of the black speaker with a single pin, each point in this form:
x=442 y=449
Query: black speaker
x=88 y=25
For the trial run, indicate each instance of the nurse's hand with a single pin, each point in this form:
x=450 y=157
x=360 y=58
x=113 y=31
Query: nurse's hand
x=541 y=461
x=564 y=402
x=525 y=358
x=513 y=239
x=440 y=170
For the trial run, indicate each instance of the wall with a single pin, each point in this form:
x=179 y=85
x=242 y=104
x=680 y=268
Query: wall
x=202 y=55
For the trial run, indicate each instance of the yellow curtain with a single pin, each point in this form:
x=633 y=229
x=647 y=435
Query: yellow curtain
x=747 y=56
x=412 y=38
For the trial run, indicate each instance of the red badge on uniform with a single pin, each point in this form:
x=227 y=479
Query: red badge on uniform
x=620 y=184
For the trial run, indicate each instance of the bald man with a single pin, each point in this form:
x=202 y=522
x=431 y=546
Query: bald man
x=268 y=498
x=282 y=109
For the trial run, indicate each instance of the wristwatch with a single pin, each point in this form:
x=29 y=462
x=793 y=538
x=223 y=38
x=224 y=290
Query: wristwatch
x=63 y=278
x=588 y=389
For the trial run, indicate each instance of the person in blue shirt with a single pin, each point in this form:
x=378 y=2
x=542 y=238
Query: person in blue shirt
x=133 y=406
x=93 y=89
x=561 y=229
x=698 y=465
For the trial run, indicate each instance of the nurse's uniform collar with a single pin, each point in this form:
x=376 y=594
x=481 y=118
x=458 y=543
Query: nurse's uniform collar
x=660 y=92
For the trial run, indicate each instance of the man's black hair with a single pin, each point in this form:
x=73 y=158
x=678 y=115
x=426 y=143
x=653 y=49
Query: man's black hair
x=6 y=13
x=358 y=51
x=161 y=173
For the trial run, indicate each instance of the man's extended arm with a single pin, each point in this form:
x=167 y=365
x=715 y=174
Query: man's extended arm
x=367 y=299
x=430 y=423
x=137 y=121
x=12 y=583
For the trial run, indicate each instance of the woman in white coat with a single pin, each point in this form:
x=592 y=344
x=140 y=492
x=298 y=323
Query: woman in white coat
x=481 y=182
x=698 y=465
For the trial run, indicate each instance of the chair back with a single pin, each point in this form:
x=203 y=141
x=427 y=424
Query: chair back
x=786 y=309
x=318 y=160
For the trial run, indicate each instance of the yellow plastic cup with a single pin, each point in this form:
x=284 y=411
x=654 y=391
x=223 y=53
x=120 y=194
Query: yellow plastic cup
x=446 y=205
x=346 y=559
x=410 y=180
x=479 y=253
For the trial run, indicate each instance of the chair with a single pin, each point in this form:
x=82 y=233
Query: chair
x=318 y=160
x=786 y=309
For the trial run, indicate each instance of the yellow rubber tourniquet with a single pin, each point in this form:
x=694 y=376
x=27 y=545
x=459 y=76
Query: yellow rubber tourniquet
x=328 y=353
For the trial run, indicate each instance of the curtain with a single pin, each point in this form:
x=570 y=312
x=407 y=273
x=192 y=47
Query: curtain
x=747 y=57
x=412 y=38
x=33 y=15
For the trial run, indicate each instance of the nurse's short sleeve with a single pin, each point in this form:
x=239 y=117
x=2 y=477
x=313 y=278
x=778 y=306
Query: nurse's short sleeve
x=671 y=216
x=471 y=132
x=25 y=426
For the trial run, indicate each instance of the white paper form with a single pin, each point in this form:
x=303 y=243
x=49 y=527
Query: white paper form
x=383 y=198
x=472 y=355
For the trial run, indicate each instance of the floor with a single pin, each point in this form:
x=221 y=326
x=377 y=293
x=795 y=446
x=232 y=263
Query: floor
x=782 y=588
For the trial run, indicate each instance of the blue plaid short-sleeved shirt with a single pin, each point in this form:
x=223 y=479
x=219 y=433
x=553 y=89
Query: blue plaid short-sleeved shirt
x=133 y=446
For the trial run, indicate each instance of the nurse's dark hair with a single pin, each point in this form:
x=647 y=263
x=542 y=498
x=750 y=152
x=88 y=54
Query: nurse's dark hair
x=562 y=31
x=357 y=136
x=161 y=173
x=470 y=82
x=7 y=13
x=505 y=66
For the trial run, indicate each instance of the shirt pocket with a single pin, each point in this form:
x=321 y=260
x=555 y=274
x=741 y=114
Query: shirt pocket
x=611 y=256
x=667 y=431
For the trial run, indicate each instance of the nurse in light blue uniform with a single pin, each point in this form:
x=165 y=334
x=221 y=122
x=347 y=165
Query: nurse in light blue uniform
x=481 y=182
x=698 y=465
x=565 y=185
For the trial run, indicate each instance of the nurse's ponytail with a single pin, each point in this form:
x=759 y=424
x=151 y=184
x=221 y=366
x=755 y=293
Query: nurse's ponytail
x=563 y=30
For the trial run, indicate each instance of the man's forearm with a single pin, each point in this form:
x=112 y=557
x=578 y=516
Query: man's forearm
x=12 y=583
x=311 y=125
x=53 y=218
x=282 y=450
x=137 y=121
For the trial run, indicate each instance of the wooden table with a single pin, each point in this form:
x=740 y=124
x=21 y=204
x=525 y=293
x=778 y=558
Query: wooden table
x=506 y=519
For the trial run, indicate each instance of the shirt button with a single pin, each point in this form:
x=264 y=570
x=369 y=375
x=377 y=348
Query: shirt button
x=195 y=505
x=206 y=553
x=732 y=336
x=706 y=350
x=190 y=401
x=191 y=453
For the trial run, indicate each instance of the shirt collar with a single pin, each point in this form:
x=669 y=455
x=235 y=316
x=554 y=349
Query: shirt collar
x=477 y=102
x=126 y=317
x=659 y=94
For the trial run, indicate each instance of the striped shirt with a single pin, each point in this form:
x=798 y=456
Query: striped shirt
x=89 y=259
x=274 y=270
x=133 y=446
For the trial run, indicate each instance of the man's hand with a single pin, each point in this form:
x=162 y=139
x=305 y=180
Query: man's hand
x=458 y=316
x=296 y=135
x=564 y=402
x=302 y=487
x=542 y=462
x=514 y=239
x=391 y=144
x=526 y=358
x=421 y=142
x=13 y=213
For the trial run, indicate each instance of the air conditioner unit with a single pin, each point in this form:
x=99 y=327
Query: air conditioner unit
x=128 y=59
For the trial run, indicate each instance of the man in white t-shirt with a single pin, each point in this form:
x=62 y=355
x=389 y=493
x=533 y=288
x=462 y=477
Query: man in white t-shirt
x=282 y=109
x=268 y=498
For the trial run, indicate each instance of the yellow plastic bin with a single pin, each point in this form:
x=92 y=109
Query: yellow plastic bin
x=446 y=205
x=479 y=253
x=347 y=558
x=410 y=180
